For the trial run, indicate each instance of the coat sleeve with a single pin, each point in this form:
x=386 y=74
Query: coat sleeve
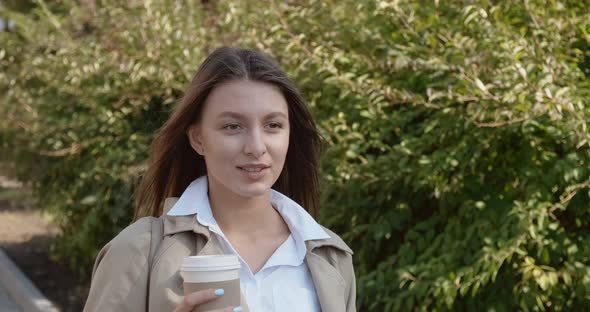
x=120 y=274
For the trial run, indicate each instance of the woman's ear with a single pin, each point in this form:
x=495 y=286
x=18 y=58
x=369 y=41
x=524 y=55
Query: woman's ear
x=194 y=137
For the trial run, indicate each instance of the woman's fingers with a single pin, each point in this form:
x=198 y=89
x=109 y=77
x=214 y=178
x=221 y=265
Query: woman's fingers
x=196 y=298
x=230 y=309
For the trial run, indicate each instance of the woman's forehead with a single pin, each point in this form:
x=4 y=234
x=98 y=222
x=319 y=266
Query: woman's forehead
x=245 y=97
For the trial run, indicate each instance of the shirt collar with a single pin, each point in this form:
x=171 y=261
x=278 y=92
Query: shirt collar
x=194 y=200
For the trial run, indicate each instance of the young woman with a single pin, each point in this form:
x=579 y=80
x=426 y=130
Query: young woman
x=241 y=153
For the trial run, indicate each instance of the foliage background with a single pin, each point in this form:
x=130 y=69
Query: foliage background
x=457 y=131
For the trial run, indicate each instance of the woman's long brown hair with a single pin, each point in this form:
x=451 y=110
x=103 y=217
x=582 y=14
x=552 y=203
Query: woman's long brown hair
x=173 y=164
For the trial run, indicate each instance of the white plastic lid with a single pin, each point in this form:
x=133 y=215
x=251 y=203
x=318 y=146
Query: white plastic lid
x=210 y=263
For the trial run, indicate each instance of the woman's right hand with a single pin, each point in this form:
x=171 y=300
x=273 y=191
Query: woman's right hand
x=193 y=300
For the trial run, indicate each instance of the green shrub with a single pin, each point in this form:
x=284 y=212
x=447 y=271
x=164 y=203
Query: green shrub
x=84 y=92
x=458 y=161
x=458 y=147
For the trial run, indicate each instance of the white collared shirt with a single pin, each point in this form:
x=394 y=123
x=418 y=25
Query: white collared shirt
x=284 y=283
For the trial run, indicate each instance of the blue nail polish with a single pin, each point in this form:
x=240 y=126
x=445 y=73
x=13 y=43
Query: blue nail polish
x=219 y=292
x=237 y=309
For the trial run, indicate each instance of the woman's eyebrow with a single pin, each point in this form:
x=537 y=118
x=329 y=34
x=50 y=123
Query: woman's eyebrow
x=231 y=115
x=240 y=116
x=276 y=114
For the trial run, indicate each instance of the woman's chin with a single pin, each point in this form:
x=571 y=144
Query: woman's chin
x=253 y=191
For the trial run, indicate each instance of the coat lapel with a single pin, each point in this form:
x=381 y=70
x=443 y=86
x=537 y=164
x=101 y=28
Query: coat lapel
x=328 y=282
x=210 y=247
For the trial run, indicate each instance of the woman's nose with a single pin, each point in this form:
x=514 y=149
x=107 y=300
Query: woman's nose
x=254 y=144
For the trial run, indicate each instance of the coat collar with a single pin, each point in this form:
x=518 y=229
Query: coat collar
x=195 y=200
x=177 y=224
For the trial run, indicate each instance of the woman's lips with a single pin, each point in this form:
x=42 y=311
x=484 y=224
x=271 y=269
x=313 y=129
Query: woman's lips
x=254 y=173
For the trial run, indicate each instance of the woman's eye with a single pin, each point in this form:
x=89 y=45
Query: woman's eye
x=232 y=127
x=275 y=125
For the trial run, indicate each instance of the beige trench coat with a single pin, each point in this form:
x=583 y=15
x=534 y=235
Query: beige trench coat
x=123 y=281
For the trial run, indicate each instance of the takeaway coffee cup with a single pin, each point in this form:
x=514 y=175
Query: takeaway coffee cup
x=213 y=272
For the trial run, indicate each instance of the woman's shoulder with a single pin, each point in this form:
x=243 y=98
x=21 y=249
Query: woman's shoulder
x=130 y=246
x=133 y=239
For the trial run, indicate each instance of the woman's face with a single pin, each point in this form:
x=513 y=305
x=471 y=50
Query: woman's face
x=243 y=134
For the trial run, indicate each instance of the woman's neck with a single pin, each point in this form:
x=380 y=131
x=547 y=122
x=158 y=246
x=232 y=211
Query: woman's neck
x=245 y=216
